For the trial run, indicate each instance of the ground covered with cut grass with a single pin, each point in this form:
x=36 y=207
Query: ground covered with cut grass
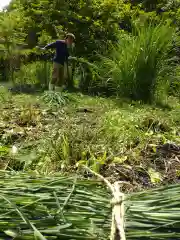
x=121 y=140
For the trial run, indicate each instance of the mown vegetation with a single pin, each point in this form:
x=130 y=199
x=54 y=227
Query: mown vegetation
x=120 y=113
x=66 y=208
x=129 y=52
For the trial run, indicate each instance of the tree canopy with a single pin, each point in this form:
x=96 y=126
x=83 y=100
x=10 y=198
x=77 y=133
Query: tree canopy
x=96 y=23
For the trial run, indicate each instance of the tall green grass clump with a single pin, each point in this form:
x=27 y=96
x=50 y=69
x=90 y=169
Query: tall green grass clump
x=34 y=73
x=138 y=66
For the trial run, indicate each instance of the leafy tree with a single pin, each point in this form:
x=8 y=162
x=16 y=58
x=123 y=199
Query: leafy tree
x=95 y=23
x=98 y=24
x=11 y=38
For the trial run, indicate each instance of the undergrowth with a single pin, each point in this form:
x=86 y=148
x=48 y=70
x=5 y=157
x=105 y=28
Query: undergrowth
x=34 y=73
x=120 y=139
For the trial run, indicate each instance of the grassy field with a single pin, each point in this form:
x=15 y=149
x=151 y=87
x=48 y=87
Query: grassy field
x=122 y=140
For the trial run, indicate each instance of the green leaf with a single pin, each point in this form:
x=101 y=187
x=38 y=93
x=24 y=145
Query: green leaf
x=154 y=176
x=120 y=159
x=4 y=149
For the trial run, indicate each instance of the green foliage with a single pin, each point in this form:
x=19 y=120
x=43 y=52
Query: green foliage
x=61 y=16
x=44 y=38
x=138 y=66
x=56 y=98
x=122 y=49
x=113 y=22
x=11 y=31
x=175 y=83
x=11 y=39
x=38 y=73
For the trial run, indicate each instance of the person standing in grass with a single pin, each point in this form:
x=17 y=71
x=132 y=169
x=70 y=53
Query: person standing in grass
x=60 y=61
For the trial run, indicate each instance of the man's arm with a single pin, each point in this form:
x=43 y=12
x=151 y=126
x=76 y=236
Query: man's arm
x=49 y=46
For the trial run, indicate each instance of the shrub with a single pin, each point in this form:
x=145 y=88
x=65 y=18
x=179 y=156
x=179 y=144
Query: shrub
x=138 y=66
x=34 y=73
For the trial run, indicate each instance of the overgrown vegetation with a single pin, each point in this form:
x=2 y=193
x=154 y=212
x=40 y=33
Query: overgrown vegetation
x=128 y=51
x=138 y=66
x=132 y=48
x=120 y=139
x=119 y=116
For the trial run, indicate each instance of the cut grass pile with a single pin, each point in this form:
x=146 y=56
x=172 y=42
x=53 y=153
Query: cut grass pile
x=56 y=206
x=61 y=207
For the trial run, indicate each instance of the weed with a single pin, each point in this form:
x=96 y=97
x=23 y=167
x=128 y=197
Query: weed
x=138 y=67
x=34 y=73
x=56 y=98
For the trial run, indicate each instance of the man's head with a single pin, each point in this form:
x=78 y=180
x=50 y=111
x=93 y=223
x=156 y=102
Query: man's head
x=70 y=38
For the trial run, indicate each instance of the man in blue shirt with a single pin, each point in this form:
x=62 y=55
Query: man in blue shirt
x=60 y=60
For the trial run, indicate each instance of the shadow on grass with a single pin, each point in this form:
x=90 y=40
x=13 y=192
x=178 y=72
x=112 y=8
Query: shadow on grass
x=122 y=102
x=164 y=106
x=36 y=89
x=26 y=89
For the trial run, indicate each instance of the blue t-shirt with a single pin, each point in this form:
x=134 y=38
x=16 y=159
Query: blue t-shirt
x=61 y=51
